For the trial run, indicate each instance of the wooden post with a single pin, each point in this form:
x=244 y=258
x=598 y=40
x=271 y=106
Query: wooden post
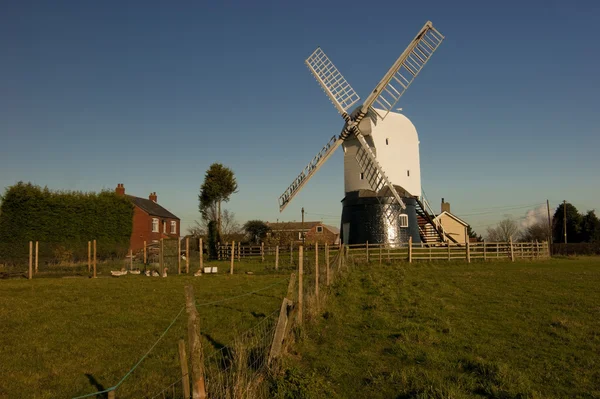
x=449 y=257
x=179 y=256
x=367 y=251
x=232 y=257
x=94 y=259
x=239 y=252
x=262 y=251
x=160 y=257
x=291 y=285
x=380 y=252
x=130 y=260
x=219 y=251
x=187 y=255
x=198 y=387
x=327 y=277
x=185 y=377
x=512 y=252
x=89 y=256
x=317 y=272
x=279 y=330
x=36 y=255
x=340 y=254
x=300 y=278
x=468 y=251
x=201 y=248
x=537 y=249
x=277 y=257
x=484 y=251
x=497 y=250
x=291 y=254
x=410 y=249
x=30 y=276
x=145 y=256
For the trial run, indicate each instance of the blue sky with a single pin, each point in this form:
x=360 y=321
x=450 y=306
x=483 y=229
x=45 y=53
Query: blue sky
x=149 y=94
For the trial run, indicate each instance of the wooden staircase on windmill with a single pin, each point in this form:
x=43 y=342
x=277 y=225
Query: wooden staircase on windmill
x=430 y=231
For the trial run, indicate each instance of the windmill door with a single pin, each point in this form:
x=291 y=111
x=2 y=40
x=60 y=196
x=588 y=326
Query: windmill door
x=345 y=233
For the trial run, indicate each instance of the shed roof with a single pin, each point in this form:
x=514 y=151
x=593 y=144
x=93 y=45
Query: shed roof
x=151 y=207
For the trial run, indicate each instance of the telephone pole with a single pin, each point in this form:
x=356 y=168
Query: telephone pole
x=302 y=226
x=549 y=223
x=565 y=219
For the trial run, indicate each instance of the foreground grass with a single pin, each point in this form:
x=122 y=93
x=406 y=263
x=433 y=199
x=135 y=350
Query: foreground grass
x=64 y=337
x=498 y=330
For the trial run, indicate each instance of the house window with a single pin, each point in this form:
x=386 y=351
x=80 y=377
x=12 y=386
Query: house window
x=403 y=220
x=164 y=226
x=387 y=142
x=154 y=225
x=319 y=229
x=173 y=227
x=408 y=173
x=362 y=175
x=300 y=235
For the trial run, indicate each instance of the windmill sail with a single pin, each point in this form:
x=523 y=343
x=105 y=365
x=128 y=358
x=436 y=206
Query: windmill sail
x=405 y=69
x=308 y=171
x=341 y=94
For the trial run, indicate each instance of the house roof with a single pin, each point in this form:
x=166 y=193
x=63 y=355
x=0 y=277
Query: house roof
x=293 y=226
x=334 y=230
x=459 y=220
x=151 y=207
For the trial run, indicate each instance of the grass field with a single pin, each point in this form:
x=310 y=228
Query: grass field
x=64 y=337
x=453 y=330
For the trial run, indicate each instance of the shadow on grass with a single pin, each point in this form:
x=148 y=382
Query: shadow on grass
x=97 y=385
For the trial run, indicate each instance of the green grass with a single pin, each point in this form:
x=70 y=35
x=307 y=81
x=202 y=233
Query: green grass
x=63 y=337
x=453 y=330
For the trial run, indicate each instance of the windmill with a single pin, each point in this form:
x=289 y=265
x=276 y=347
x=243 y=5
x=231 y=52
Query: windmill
x=381 y=152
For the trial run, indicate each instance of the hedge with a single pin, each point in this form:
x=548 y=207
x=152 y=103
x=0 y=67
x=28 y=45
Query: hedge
x=68 y=218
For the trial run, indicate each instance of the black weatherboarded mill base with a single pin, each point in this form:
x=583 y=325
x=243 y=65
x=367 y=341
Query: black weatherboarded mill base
x=363 y=219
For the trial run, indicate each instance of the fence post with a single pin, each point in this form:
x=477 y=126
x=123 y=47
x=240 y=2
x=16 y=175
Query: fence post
x=291 y=285
x=300 y=278
x=327 y=264
x=317 y=272
x=145 y=258
x=36 y=256
x=380 y=252
x=160 y=257
x=187 y=255
x=239 y=251
x=199 y=390
x=468 y=251
x=279 y=330
x=30 y=275
x=201 y=249
x=537 y=249
x=340 y=254
x=484 y=251
x=291 y=254
x=185 y=377
x=94 y=258
x=409 y=249
x=512 y=252
x=232 y=257
x=179 y=256
x=262 y=251
x=367 y=251
x=130 y=259
x=449 y=251
x=89 y=256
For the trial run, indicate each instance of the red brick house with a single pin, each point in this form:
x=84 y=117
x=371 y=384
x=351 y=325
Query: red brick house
x=151 y=222
x=285 y=232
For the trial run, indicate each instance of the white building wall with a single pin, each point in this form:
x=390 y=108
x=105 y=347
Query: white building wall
x=396 y=146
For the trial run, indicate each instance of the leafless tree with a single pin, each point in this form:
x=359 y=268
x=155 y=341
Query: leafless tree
x=504 y=231
x=229 y=226
x=538 y=231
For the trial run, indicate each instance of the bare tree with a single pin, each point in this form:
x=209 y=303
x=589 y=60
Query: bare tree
x=229 y=226
x=538 y=231
x=504 y=231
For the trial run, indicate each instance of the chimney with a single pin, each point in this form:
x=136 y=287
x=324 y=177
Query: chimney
x=120 y=190
x=153 y=197
x=445 y=206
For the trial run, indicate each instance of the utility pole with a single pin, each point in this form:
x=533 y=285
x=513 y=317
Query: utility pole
x=302 y=226
x=565 y=219
x=549 y=223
